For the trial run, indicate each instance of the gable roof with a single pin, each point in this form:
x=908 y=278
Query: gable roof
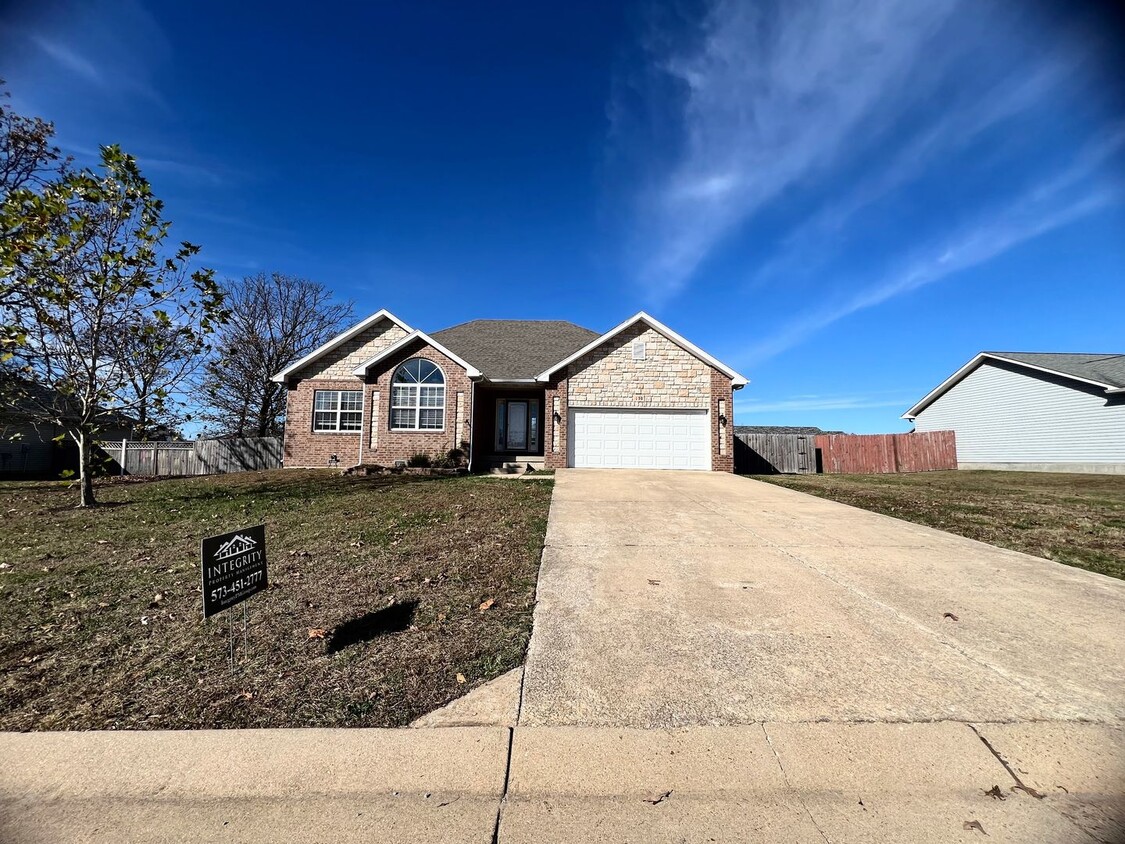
x=338 y=340
x=737 y=381
x=514 y=349
x=470 y=370
x=1099 y=370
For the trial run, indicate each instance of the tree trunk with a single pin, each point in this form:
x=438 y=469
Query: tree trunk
x=85 y=479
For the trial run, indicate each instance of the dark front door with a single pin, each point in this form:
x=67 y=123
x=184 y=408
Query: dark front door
x=517 y=425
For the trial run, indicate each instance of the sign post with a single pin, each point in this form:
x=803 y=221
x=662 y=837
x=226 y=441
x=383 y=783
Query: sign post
x=234 y=568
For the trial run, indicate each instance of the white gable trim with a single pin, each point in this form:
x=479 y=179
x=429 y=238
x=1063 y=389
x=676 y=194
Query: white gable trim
x=737 y=381
x=283 y=376
x=470 y=370
x=952 y=380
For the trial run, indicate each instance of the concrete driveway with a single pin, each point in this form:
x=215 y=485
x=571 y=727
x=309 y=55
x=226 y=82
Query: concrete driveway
x=679 y=598
x=889 y=675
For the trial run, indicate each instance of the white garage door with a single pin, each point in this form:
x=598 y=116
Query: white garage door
x=639 y=439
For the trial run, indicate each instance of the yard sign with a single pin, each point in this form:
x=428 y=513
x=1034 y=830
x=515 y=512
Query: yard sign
x=234 y=568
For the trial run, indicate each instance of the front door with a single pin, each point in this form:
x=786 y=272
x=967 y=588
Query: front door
x=517 y=425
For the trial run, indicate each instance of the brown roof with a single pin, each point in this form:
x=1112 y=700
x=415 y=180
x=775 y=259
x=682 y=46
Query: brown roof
x=514 y=348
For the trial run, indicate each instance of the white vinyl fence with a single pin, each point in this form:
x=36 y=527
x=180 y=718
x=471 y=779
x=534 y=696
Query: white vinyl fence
x=201 y=457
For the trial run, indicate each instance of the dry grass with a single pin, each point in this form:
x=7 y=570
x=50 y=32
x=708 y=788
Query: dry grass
x=1074 y=519
x=85 y=643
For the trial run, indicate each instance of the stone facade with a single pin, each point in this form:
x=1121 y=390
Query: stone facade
x=667 y=377
x=341 y=361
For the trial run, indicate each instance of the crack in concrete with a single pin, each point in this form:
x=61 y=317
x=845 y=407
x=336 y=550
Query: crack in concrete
x=789 y=785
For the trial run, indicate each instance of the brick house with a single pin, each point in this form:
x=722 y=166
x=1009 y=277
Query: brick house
x=511 y=393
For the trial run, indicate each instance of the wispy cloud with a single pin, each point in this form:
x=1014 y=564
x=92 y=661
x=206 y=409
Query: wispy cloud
x=954 y=129
x=769 y=100
x=1054 y=202
x=69 y=59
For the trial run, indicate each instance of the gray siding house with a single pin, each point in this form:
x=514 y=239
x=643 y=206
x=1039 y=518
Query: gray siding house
x=1032 y=411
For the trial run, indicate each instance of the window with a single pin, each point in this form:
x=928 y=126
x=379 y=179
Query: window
x=638 y=350
x=418 y=397
x=337 y=410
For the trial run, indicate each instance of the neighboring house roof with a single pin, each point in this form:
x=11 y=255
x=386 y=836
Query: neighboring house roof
x=470 y=370
x=514 y=349
x=737 y=381
x=338 y=340
x=780 y=429
x=1106 y=371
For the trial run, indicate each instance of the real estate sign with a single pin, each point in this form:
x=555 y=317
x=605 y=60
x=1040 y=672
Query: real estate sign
x=234 y=568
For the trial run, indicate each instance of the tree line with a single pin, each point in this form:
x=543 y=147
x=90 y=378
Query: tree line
x=102 y=315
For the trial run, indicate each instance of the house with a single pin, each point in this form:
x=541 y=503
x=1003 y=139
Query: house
x=511 y=393
x=1032 y=411
x=29 y=447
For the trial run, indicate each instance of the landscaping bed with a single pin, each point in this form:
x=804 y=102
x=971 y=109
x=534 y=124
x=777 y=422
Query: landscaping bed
x=388 y=597
x=1074 y=519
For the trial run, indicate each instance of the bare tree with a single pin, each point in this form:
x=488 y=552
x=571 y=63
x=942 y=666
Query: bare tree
x=274 y=320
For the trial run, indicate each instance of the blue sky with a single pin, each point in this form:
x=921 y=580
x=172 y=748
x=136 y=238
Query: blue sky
x=844 y=200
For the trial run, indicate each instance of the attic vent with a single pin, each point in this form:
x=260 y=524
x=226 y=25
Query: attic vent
x=638 y=350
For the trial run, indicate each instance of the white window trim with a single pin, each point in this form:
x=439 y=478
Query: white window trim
x=338 y=412
x=417 y=406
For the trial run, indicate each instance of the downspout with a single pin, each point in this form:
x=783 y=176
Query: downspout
x=472 y=410
x=362 y=418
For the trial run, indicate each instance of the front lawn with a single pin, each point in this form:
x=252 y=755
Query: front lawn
x=388 y=597
x=1074 y=519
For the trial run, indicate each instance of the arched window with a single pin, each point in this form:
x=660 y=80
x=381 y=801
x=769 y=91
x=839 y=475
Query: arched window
x=418 y=397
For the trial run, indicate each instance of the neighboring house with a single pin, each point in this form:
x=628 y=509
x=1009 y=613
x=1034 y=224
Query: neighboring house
x=519 y=392
x=1032 y=411
x=40 y=448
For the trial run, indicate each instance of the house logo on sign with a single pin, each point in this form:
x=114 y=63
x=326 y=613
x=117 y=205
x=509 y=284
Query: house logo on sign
x=240 y=544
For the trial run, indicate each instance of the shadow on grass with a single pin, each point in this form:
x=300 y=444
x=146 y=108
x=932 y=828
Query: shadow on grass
x=392 y=619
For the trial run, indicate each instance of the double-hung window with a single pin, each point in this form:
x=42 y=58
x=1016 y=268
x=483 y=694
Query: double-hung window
x=418 y=397
x=338 y=410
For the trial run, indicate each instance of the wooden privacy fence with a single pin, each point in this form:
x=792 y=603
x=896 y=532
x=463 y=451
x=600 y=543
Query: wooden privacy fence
x=770 y=454
x=886 y=453
x=202 y=457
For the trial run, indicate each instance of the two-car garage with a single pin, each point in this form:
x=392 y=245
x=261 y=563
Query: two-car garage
x=618 y=438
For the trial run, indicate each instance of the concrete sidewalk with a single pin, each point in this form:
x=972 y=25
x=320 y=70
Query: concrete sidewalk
x=774 y=782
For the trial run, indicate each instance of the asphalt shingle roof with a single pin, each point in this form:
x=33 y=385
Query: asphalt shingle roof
x=1104 y=368
x=514 y=348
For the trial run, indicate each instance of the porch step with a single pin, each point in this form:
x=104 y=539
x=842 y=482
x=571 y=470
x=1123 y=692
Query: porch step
x=514 y=464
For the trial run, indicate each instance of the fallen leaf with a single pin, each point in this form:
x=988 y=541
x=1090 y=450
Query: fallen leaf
x=317 y=632
x=144 y=619
x=158 y=597
x=652 y=582
x=246 y=695
x=973 y=825
x=952 y=617
x=995 y=793
x=487 y=604
x=460 y=678
x=657 y=800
